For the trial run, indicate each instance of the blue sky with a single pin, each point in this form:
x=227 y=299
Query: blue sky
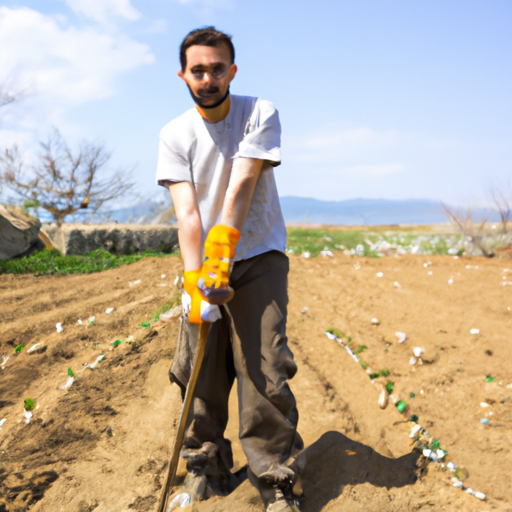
x=396 y=99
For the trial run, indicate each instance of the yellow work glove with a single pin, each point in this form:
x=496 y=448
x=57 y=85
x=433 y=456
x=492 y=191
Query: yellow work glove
x=219 y=251
x=195 y=308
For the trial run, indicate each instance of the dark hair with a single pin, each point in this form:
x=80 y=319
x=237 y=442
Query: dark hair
x=206 y=36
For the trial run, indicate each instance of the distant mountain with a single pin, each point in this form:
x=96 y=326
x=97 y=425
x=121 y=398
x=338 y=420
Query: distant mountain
x=304 y=210
x=361 y=211
x=145 y=212
x=132 y=214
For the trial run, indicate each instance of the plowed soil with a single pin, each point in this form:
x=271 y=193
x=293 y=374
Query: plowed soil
x=103 y=444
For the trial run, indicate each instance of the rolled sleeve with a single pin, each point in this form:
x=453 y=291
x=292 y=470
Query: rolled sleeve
x=173 y=165
x=262 y=139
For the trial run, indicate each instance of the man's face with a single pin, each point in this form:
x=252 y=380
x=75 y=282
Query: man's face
x=208 y=73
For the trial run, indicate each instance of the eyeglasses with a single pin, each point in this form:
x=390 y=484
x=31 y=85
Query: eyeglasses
x=219 y=71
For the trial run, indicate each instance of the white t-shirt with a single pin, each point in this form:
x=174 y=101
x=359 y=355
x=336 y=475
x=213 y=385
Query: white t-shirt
x=195 y=150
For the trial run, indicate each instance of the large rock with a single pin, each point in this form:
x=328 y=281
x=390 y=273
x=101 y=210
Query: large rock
x=115 y=238
x=18 y=232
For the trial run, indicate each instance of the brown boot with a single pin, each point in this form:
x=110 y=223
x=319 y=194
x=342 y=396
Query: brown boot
x=276 y=489
x=282 y=502
x=208 y=474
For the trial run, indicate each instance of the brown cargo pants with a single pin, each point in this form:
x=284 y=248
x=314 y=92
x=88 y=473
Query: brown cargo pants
x=249 y=342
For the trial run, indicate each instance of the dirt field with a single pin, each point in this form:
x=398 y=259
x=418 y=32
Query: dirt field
x=102 y=445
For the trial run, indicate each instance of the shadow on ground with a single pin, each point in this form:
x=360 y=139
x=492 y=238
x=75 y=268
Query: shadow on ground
x=330 y=464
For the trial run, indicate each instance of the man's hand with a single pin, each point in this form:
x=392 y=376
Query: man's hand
x=219 y=251
x=195 y=308
x=208 y=286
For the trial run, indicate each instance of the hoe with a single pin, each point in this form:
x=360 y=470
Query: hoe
x=180 y=434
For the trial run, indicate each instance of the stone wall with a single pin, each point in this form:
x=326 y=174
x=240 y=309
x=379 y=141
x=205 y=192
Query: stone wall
x=18 y=232
x=115 y=238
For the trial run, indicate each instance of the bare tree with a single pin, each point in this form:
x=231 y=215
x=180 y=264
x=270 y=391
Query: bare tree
x=474 y=231
x=503 y=202
x=63 y=182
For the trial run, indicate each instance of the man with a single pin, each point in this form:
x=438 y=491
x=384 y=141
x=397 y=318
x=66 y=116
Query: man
x=217 y=160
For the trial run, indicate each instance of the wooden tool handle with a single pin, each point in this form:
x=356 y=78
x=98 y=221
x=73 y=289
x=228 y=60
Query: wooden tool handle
x=180 y=434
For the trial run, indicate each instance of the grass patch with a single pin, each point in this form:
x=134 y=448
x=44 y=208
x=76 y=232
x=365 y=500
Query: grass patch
x=315 y=240
x=53 y=262
x=372 y=242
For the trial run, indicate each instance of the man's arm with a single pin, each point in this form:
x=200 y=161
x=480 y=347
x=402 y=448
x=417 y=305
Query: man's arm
x=184 y=199
x=244 y=176
x=221 y=242
x=242 y=183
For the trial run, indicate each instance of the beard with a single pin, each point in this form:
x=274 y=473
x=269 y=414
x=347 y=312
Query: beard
x=205 y=94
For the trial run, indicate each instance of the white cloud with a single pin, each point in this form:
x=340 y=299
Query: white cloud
x=342 y=161
x=157 y=27
x=360 y=146
x=345 y=144
x=62 y=65
x=9 y=138
x=101 y=10
x=349 y=138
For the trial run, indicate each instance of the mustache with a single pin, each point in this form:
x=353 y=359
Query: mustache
x=209 y=90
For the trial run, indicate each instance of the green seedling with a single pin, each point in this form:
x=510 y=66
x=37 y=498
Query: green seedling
x=412 y=395
x=459 y=474
x=414 y=418
x=336 y=332
x=381 y=373
x=70 y=372
x=19 y=348
x=98 y=360
x=117 y=343
x=360 y=349
x=144 y=325
x=364 y=366
x=401 y=406
x=29 y=404
x=389 y=387
x=489 y=379
x=434 y=445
